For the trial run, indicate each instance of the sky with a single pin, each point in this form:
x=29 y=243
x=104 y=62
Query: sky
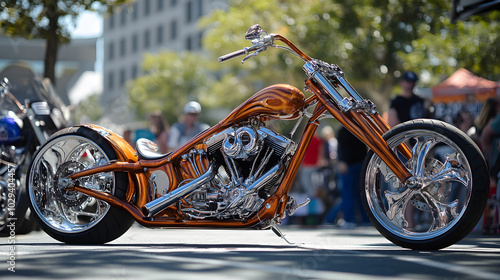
x=88 y=25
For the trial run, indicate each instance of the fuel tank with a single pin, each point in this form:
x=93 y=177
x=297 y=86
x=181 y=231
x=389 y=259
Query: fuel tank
x=278 y=101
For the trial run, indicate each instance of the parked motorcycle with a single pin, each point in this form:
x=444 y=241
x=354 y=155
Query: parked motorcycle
x=23 y=128
x=87 y=185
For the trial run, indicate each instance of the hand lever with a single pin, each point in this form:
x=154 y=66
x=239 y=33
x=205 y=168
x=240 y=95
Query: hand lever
x=256 y=53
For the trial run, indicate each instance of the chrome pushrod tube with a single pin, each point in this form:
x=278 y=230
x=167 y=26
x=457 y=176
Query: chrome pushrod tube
x=257 y=184
x=153 y=207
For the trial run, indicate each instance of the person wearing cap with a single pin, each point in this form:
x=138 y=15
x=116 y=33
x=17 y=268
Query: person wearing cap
x=406 y=106
x=189 y=126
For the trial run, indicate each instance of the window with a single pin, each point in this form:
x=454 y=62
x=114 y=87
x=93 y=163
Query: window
x=111 y=21
x=147 y=7
x=159 y=35
x=147 y=43
x=200 y=8
x=134 y=71
x=135 y=11
x=189 y=44
x=135 y=40
x=111 y=51
x=189 y=7
x=173 y=3
x=173 y=30
x=123 y=17
x=122 y=77
x=200 y=40
x=160 y=5
x=111 y=79
x=122 y=47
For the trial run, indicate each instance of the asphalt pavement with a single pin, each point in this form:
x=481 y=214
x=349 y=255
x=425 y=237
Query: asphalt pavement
x=317 y=253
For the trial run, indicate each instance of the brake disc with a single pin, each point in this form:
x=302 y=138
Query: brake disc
x=68 y=198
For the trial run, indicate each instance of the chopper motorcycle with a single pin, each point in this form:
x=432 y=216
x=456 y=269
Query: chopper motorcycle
x=87 y=185
x=23 y=128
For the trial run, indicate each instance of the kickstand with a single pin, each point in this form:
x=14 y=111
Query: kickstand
x=280 y=234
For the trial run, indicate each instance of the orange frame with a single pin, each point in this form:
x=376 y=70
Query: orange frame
x=367 y=128
x=278 y=101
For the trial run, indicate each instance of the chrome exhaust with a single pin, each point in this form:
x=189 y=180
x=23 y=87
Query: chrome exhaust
x=154 y=207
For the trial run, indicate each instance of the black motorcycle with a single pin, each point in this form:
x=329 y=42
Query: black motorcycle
x=30 y=112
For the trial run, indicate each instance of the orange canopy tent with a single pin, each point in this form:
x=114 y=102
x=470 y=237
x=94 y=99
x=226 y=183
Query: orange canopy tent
x=461 y=85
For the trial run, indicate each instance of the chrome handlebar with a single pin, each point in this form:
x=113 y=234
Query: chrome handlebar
x=329 y=76
x=259 y=45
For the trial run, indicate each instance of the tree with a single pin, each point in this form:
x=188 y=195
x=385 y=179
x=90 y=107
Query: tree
x=43 y=20
x=373 y=41
x=170 y=80
x=473 y=44
x=87 y=110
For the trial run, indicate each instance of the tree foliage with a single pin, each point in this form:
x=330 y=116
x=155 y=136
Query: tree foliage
x=473 y=44
x=88 y=110
x=170 y=80
x=44 y=20
x=373 y=41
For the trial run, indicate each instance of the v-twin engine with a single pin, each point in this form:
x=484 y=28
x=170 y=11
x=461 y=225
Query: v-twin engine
x=251 y=161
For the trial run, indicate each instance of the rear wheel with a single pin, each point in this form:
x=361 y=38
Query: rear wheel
x=71 y=216
x=452 y=187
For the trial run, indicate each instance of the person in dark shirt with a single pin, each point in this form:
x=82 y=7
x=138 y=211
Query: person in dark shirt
x=350 y=155
x=406 y=106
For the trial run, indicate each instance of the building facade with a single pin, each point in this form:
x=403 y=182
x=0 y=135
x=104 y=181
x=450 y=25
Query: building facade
x=146 y=26
x=73 y=59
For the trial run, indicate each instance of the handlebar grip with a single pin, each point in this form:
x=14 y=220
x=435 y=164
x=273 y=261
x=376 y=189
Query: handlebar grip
x=231 y=55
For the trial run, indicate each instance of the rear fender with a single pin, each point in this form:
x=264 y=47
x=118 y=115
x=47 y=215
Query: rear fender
x=123 y=149
x=125 y=153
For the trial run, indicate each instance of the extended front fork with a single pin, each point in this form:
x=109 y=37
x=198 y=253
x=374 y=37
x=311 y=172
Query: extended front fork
x=369 y=128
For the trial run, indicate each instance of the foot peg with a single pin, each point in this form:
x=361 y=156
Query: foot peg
x=292 y=205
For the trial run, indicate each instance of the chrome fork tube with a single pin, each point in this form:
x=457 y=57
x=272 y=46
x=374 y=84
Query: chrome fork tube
x=311 y=71
x=348 y=88
x=343 y=102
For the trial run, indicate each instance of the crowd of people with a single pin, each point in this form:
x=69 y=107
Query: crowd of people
x=169 y=138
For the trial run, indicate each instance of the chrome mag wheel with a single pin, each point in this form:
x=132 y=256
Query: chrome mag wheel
x=447 y=192
x=70 y=216
x=62 y=210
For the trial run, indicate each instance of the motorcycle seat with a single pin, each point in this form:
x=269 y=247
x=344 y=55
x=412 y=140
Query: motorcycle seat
x=148 y=149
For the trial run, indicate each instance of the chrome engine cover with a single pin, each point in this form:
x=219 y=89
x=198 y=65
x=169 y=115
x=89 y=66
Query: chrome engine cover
x=252 y=161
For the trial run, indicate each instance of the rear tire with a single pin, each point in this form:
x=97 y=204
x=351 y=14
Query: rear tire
x=453 y=187
x=70 y=216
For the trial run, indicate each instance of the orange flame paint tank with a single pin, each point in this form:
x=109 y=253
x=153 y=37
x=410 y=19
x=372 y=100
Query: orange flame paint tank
x=279 y=101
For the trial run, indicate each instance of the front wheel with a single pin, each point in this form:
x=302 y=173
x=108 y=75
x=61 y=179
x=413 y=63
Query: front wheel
x=71 y=216
x=452 y=187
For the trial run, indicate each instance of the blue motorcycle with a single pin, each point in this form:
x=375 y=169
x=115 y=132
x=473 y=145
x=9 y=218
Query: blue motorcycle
x=24 y=126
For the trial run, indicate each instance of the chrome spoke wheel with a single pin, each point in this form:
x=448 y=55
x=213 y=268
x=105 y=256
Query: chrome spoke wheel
x=442 y=174
x=443 y=199
x=62 y=210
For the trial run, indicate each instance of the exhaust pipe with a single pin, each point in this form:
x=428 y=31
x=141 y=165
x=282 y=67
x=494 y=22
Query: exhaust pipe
x=154 y=207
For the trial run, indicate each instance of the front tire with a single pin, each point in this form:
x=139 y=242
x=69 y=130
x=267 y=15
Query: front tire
x=453 y=187
x=70 y=216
